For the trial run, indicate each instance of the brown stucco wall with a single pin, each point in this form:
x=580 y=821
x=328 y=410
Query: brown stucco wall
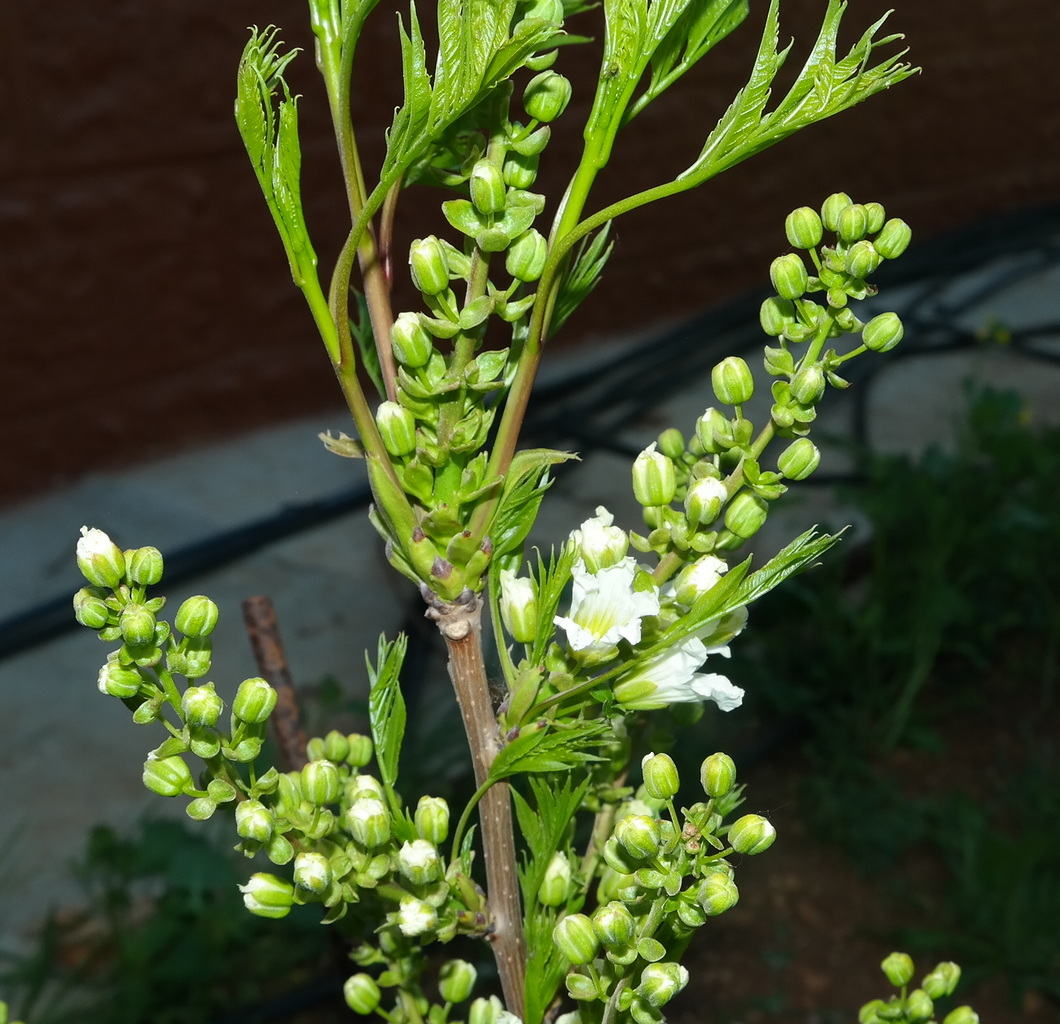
x=146 y=303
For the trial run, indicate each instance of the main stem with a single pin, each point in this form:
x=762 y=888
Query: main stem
x=460 y=624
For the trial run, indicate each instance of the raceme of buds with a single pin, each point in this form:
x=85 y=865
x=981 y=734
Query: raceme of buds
x=361 y=993
x=654 y=478
x=893 y=238
x=799 y=459
x=732 y=380
x=576 y=939
x=197 y=616
x=320 y=782
x=410 y=341
x=201 y=706
x=751 y=834
x=144 y=566
x=882 y=332
x=487 y=187
x=704 y=499
x=746 y=514
x=430 y=268
x=432 y=819
x=898 y=969
x=397 y=426
x=659 y=983
x=100 y=560
x=267 y=896
x=525 y=258
x=255 y=700
x=368 y=822
x=803 y=228
x=456 y=980
x=546 y=96
x=419 y=862
x=717 y=774
x=254 y=821
x=661 y=781
x=942 y=980
x=518 y=603
x=415 y=917
x=789 y=277
x=832 y=207
x=167 y=776
x=555 y=885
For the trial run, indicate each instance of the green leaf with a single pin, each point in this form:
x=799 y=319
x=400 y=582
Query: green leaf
x=544 y=750
x=552 y=579
x=524 y=487
x=386 y=711
x=582 y=276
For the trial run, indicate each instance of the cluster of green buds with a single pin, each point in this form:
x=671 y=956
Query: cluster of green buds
x=662 y=875
x=916 y=1005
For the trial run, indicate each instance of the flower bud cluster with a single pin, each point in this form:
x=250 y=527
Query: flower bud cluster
x=916 y=1005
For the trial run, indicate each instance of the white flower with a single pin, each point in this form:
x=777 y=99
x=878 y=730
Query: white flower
x=606 y=609
x=414 y=917
x=598 y=542
x=671 y=678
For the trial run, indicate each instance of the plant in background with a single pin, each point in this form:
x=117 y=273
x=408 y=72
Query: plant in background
x=594 y=888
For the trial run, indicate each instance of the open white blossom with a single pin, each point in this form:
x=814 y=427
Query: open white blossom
x=599 y=543
x=672 y=678
x=605 y=609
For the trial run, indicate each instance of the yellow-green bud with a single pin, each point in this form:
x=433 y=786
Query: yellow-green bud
x=397 y=426
x=661 y=781
x=411 y=343
x=853 y=223
x=117 y=680
x=312 y=872
x=167 y=776
x=430 y=268
x=599 y=542
x=870 y=1012
x=638 y=835
x=751 y=834
x=717 y=774
x=862 y=259
x=255 y=700
x=703 y=499
x=942 y=980
x=918 y=1006
x=746 y=514
x=694 y=580
x=485 y=1011
x=893 y=239
x=808 y=385
x=456 y=979
x=334 y=747
x=432 y=819
x=520 y=171
x=882 y=332
x=525 y=258
x=876 y=216
x=803 y=228
x=789 y=277
x=487 y=187
x=575 y=939
x=145 y=566
x=267 y=896
x=799 y=459
x=320 y=782
x=659 y=983
x=518 y=603
x=546 y=96
x=197 y=616
x=100 y=560
x=254 y=821
x=614 y=924
x=732 y=380
x=832 y=207
x=962 y=1015
x=90 y=608
x=201 y=706
x=716 y=894
x=898 y=969
x=361 y=993
x=368 y=822
x=419 y=862
x=360 y=750
x=714 y=432
x=775 y=315
x=556 y=883
x=654 y=478
x=361 y=786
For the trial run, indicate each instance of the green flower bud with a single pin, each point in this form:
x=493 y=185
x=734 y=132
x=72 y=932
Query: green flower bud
x=694 y=580
x=898 y=969
x=456 y=979
x=751 y=834
x=320 y=783
x=808 y=385
x=255 y=700
x=746 y=514
x=485 y=1011
x=520 y=171
x=862 y=259
x=882 y=332
x=714 y=432
x=732 y=380
x=546 y=96
x=618 y=858
x=703 y=500
x=254 y=821
x=614 y=924
x=717 y=774
x=893 y=238
x=659 y=983
x=525 y=259
x=197 y=616
x=430 y=268
x=789 y=277
x=361 y=993
x=716 y=894
x=361 y=787
x=832 y=207
x=775 y=315
x=432 y=819
x=369 y=823
x=117 y=680
x=416 y=917
x=397 y=426
x=533 y=144
x=799 y=459
x=852 y=224
x=360 y=750
x=876 y=216
x=661 y=781
x=962 y=1015
x=638 y=835
x=201 y=706
x=803 y=228
x=90 y=608
x=137 y=625
x=654 y=478
x=100 y=560
x=333 y=747
x=267 y=896
x=201 y=808
x=918 y=1006
x=410 y=341
x=555 y=885
x=518 y=603
x=145 y=567
x=419 y=862
x=312 y=872
x=870 y=1012
x=167 y=776
x=575 y=939
x=942 y=980
x=599 y=542
x=487 y=187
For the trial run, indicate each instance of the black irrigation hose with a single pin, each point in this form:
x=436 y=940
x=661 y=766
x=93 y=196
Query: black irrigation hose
x=589 y=408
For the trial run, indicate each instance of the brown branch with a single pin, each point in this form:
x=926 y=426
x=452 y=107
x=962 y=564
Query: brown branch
x=260 y=618
x=460 y=624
